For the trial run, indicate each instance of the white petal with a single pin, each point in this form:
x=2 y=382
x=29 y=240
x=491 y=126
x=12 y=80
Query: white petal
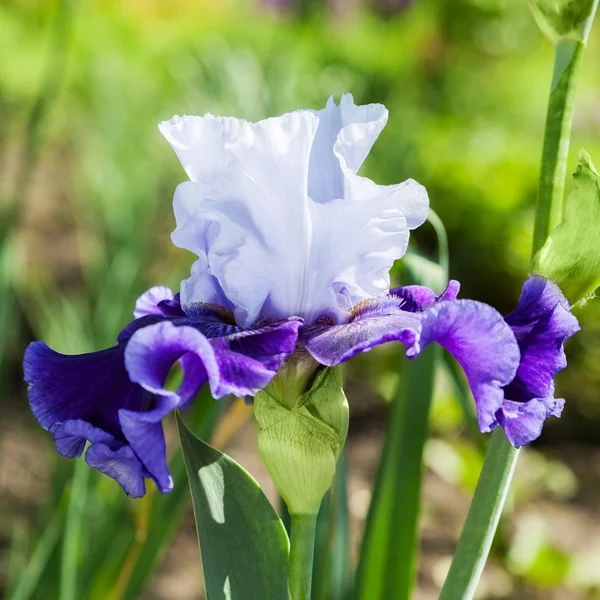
x=147 y=303
x=352 y=130
x=203 y=287
x=199 y=142
x=281 y=223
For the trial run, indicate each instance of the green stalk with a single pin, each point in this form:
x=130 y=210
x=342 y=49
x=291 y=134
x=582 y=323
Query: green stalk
x=480 y=527
x=302 y=547
x=499 y=465
x=557 y=134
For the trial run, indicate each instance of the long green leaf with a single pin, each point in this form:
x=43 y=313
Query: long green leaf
x=387 y=563
x=331 y=576
x=245 y=545
x=74 y=531
x=167 y=510
x=30 y=578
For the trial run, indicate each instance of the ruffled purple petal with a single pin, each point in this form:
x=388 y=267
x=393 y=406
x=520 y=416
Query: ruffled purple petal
x=108 y=455
x=542 y=322
x=152 y=351
x=474 y=333
x=121 y=464
x=418 y=298
x=483 y=344
x=375 y=322
x=523 y=421
x=241 y=363
x=510 y=363
x=91 y=387
x=79 y=398
x=144 y=432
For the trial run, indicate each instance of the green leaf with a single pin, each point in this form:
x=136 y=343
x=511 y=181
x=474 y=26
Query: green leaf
x=168 y=509
x=571 y=255
x=387 y=563
x=245 y=546
x=29 y=580
x=331 y=574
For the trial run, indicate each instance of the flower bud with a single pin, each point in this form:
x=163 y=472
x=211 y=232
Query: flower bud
x=563 y=19
x=300 y=441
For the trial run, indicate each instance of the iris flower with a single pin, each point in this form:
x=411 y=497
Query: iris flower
x=294 y=253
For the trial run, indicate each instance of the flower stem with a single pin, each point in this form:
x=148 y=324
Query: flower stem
x=501 y=458
x=479 y=529
x=557 y=138
x=557 y=134
x=301 y=556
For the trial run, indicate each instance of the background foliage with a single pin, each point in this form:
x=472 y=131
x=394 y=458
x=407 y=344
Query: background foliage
x=86 y=187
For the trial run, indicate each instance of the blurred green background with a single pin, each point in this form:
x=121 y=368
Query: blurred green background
x=85 y=197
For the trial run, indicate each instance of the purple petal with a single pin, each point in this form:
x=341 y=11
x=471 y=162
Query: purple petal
x=91 y=387
x=418 y=298
x=248 y=360
x=523 y=421
x=119 y=463
x=153 y=350
x=480 y=340
x=541 y=322
x=144 y=432
x=474 y=333
x=108 y=455
x=241 y=363
x=148 y=302
x=80 y=398
x=71 y=436
x=375 y=322
x=172 y=307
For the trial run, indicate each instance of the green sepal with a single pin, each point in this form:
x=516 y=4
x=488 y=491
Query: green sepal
x=300 y=445
x=243 y=542
x=571 y=255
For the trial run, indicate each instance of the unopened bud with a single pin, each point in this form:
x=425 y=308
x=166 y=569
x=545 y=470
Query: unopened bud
x=301 y=441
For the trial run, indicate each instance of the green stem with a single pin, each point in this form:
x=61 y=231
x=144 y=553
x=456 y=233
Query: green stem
x=479 y=529
x=557 y=133
x=557 y=136
x=500 y=460
x=301 y=556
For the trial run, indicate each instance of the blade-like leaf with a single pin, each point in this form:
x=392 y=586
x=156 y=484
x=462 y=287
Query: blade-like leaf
x=571 y=255
x=387 y=562
x=331 y=576
x=167 y=510
x=245 y=546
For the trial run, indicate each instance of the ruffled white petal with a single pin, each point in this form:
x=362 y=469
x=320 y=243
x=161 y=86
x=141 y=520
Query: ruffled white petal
x=352 y=130
x=281 y=223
